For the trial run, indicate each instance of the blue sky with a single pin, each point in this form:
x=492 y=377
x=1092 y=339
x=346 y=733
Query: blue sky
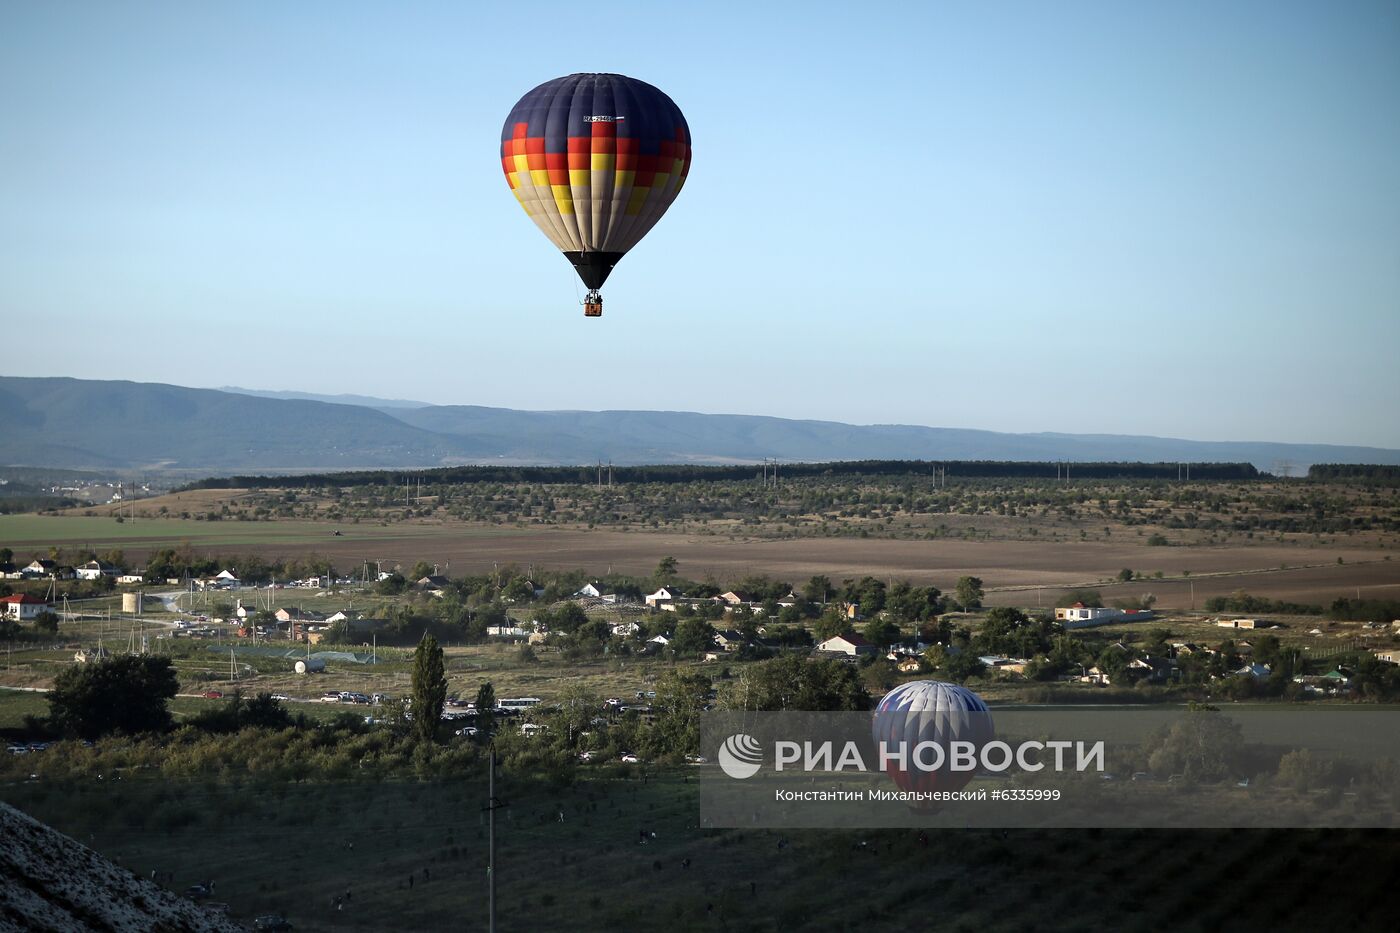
x=1175 y=219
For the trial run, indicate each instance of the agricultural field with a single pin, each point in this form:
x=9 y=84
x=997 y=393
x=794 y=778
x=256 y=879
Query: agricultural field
x=1302 y=542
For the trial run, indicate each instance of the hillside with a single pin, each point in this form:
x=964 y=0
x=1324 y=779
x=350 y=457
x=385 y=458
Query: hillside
x=74 y=423
x=50 y=882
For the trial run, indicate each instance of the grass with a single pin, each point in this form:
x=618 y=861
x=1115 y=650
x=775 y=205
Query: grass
x=294 y=849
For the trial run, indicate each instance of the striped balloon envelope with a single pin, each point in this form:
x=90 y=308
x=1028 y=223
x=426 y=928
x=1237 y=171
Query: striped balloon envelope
x=930 y=711
x=595 y=160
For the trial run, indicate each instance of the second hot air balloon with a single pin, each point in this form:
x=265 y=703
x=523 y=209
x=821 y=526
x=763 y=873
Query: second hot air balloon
x=595 y=160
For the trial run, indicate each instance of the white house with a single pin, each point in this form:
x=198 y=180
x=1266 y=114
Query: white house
x=226 y=579
x=850 y=645
x=96 y=570
x=22 y=607
x=39 y=567
x=662 y=640
x=626 y=629
x=664 y=598
x=1257 y=671
x=590 y=590
x=1388 y=655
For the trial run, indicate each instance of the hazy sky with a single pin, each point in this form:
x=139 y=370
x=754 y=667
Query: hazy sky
x=1151 y=218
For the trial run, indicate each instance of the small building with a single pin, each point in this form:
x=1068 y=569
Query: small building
x=591 y=591
x=853 y=646
x=733 y=598
x=297 y=614
x=506 y=631
x=21 y=607
x=39 y=567
x=131 y=578
x=1244 y=623
x=1257 y=671
x=1388 y=655
x=226 y=579
x=625 y=629
x=910 y=665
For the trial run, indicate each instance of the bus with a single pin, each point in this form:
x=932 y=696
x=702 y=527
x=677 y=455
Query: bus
x=518 y=705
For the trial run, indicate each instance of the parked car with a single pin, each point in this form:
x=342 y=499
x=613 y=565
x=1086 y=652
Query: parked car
x=213 y=695
x=630 y=758
x=330 y=697
x=272 y=922
x=281 y=696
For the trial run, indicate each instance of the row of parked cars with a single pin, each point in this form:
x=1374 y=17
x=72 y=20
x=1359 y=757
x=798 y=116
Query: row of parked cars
x=347 y=696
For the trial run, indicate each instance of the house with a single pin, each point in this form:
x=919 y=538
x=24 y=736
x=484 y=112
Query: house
x=433 y=583
x=625 y=629
x=21 y=607
x=96 y=570
x=1257 y=671
x=664 y=598
x=1082 y=616
x=910 y=665
x=506 y=631
x=1388 y=655
x=344 y=615
x=661 y=641
x=730 y=640
x=226 y=579
x=1005 y=665
x=40 y=567
x=1095 y=675
x=591 y=591
x=242 y=611
x=128 y=578
x=296 y=614
x=1157 y=670
x=852 y=646
x=734 y=599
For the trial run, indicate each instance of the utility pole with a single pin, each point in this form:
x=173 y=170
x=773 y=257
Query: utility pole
x=492 y=805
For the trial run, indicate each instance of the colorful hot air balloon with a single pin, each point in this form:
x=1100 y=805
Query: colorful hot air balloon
x=931 y=711
x=595 y=160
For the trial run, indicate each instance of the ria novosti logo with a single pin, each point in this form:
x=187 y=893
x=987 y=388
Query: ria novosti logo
x=741 y=756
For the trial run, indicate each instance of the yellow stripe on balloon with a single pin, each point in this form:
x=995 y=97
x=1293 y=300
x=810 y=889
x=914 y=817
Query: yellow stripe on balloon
x=564 y=198
x=624 y=178
x=540 y=177
x=604 y=161
x=639 y=197
x=580 y=177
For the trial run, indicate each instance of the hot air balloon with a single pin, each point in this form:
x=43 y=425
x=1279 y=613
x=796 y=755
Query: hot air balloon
x=930 y=711
x=595 y=160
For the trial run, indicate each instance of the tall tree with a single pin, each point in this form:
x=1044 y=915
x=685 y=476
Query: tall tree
x=429 y=687
x=486 y=707
x=666 y=569
x=969 y=592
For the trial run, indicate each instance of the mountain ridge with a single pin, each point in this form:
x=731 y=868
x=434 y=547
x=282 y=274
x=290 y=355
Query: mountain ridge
x=77 y=423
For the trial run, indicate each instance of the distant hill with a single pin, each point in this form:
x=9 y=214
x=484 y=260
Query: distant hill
x=81 y=423
x=85 y=424
x=367 y=401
